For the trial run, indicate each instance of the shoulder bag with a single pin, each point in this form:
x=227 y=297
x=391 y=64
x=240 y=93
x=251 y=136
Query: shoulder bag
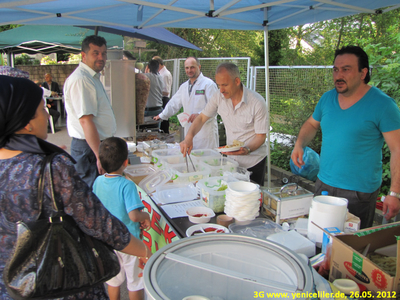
x=52 y=257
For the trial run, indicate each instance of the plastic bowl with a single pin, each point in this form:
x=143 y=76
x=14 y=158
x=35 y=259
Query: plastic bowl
x=242 y=187
x=206 y=229
x=200 y=214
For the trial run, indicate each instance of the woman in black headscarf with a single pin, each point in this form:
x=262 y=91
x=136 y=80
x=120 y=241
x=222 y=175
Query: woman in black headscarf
x=23 y=128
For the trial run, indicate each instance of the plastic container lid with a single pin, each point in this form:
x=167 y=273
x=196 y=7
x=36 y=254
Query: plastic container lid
x=224 y=266
x=259 y=228
x=171 y=192
x=150 y=183
x=139 y=170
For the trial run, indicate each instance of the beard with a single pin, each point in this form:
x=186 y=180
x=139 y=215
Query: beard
x=341 y=89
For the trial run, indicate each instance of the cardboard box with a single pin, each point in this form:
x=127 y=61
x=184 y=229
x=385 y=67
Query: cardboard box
x=327 y=239
x=347 y=260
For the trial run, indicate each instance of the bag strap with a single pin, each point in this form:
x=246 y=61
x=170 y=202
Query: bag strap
x=46 y=168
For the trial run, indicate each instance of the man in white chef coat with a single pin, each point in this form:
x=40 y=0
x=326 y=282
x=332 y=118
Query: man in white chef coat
x=193 y=95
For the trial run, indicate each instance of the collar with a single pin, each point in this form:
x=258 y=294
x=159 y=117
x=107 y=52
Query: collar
x=89 y=69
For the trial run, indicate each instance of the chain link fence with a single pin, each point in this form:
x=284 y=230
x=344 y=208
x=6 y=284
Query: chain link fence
x=208 y=67
x=292 y=83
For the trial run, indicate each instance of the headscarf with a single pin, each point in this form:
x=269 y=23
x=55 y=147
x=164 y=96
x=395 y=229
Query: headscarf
x=19 y=100
x=13 y=72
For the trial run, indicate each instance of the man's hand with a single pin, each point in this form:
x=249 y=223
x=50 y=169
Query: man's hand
x=241 y=151
x=297 y=156
x=192 y=118
x=186 y=146
x=156 y=118
x=391 y=207
x=100 y=168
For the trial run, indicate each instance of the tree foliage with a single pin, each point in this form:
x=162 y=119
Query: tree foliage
x=222 y=43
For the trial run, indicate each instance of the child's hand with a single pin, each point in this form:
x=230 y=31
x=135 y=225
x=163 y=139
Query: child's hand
x=145 y=225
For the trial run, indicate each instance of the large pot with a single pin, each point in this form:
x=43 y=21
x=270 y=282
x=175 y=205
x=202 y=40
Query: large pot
x=225 y=267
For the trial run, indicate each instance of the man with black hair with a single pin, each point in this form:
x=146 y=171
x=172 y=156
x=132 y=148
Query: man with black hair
x=355 y=119
x=167 y=79
x=154 y=100
x=90 y=116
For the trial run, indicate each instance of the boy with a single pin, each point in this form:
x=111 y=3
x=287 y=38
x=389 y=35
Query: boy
x=119 y=195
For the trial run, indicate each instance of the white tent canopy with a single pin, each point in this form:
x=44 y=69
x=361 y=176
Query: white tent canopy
x=218 y=14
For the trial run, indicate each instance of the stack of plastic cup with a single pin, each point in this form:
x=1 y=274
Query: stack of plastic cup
x=242 y=200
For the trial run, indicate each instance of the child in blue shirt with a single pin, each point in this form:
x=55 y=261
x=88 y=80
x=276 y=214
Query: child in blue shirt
x=119 y=195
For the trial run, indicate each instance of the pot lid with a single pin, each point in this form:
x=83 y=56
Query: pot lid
x=225 y=266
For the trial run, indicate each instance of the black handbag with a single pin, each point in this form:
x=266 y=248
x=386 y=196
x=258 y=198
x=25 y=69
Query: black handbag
x=53 y=257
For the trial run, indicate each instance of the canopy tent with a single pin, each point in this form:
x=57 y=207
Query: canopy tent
x=222 y=14
x=47 y=39
x=50 y=39
x=155 y=34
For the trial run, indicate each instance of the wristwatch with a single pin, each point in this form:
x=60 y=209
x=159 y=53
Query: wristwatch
x=248 y=152
x=394 y=194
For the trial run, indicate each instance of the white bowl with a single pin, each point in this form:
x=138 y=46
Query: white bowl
x=200 y=214
x=203 y=228
x=242 y=188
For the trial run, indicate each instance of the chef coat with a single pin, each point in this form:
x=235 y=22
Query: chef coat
x=202 y=90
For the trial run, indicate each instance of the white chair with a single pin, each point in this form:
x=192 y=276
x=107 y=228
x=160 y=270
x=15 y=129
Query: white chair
x=51 y=121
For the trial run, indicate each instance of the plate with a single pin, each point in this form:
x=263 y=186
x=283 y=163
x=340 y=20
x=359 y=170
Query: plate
x=230 y=149
x=201 y=227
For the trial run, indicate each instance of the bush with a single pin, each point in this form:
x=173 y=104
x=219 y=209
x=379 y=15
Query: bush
x=26 y=60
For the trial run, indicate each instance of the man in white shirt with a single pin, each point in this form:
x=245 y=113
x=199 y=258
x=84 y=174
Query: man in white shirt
x=90 y=116
x=244 y=113
x=167 y=78
x=193 y=95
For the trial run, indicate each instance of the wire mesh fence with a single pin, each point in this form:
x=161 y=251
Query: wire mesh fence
x=301 y=83
x=208 y=67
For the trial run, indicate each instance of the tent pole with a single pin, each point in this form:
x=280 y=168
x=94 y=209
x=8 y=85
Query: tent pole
x=267 y=98
x=96 y=30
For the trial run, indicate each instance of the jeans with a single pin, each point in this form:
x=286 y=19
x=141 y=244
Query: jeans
x=360 y=204
x=86 y=162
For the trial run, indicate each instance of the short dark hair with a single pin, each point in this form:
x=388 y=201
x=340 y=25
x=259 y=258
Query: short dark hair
x=153 y=66
x=195 y=58
x=93 y=39
x=129 y=55
x=159 y=59
x=113 y=152
x=361 y=55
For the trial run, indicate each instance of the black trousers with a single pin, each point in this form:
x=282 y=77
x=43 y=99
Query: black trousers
x=55 y=114
x=258 y=172
x=165 y=123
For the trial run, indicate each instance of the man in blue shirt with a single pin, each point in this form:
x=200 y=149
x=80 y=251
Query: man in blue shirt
x=355 y=119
